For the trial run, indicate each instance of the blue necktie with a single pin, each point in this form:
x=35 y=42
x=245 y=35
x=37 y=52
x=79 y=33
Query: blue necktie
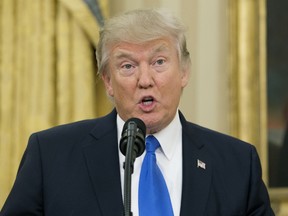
x=153 y=197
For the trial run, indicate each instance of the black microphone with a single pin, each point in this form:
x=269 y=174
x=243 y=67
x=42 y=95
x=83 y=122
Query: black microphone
x=132 y=145
x=134 y=130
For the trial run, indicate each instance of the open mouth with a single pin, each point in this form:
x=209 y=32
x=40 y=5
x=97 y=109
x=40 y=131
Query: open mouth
x=147 y=101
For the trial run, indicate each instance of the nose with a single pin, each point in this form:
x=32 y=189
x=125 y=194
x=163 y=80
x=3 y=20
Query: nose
x=145 y=78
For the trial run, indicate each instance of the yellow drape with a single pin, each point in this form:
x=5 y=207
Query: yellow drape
x=47 y=73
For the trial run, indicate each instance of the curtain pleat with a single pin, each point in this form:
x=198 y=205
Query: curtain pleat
x=83 y=75
x=35 y=90
x=47 y=73
x=48 y=67
x=81 y=14
x=76 y=71
x=20 y=87
x=104 y=5
x=7 y=96
x=64 y=66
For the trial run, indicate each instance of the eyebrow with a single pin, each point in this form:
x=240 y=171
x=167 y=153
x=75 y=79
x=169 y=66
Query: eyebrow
x=123 y=54
x=162 y=47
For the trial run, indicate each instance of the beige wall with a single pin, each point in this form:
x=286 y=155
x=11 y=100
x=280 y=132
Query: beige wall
x=205 y=99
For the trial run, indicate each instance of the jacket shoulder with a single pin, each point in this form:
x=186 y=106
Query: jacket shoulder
x=214 y=140
x=75 y=131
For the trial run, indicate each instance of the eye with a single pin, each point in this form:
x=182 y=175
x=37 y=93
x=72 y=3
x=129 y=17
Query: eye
x=160 y=62
x=127 y=66
x=127 y=69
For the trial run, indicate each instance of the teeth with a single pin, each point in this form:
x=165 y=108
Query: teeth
x=147 y=101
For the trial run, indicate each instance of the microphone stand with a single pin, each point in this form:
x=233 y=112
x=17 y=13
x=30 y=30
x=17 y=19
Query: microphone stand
x=128 y=166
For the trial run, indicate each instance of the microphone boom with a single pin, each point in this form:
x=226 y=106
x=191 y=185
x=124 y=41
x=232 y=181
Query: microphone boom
x=132 y=145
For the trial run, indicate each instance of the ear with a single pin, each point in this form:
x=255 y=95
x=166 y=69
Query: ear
x=185 y=76
x=108 y=83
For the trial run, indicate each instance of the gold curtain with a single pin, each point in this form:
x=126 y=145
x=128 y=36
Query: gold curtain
x=247 y=74
x=248 y=84
x=47 y=73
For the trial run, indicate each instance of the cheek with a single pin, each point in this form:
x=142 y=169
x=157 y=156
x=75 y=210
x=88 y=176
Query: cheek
x=170 y=88
x=120 y=88
x=174 y=87
x=174 y=81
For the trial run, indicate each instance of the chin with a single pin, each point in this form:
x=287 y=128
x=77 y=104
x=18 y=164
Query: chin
x=151 y=126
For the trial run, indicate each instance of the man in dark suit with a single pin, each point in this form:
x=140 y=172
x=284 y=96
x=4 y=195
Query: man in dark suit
x=76 y=169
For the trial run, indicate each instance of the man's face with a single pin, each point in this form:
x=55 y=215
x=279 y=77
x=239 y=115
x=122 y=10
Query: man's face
x=146 y=81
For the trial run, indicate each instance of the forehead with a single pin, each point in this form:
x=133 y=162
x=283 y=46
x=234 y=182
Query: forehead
x=125 y=49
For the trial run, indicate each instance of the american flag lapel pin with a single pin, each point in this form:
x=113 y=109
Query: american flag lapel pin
x=201 y=164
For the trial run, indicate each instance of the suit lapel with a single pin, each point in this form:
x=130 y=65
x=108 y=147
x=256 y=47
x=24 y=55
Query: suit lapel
x=197 y=172
x=102 y=161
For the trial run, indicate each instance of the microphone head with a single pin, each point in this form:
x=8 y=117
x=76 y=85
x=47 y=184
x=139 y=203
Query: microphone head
x=140 y=128
x=140 y=125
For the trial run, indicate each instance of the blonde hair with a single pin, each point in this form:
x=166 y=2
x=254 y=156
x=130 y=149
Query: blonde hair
x=139 y=26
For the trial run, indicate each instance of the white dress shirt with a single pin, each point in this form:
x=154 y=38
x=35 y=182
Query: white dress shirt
x=169 y=160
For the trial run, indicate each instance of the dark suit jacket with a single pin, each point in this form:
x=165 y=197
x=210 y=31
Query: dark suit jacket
x=74 y=170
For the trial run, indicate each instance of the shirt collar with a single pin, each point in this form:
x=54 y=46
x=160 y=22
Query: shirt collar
x=169 y=137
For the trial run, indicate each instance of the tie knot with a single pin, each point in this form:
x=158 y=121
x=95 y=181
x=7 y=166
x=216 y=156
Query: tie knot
x=151 y=144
